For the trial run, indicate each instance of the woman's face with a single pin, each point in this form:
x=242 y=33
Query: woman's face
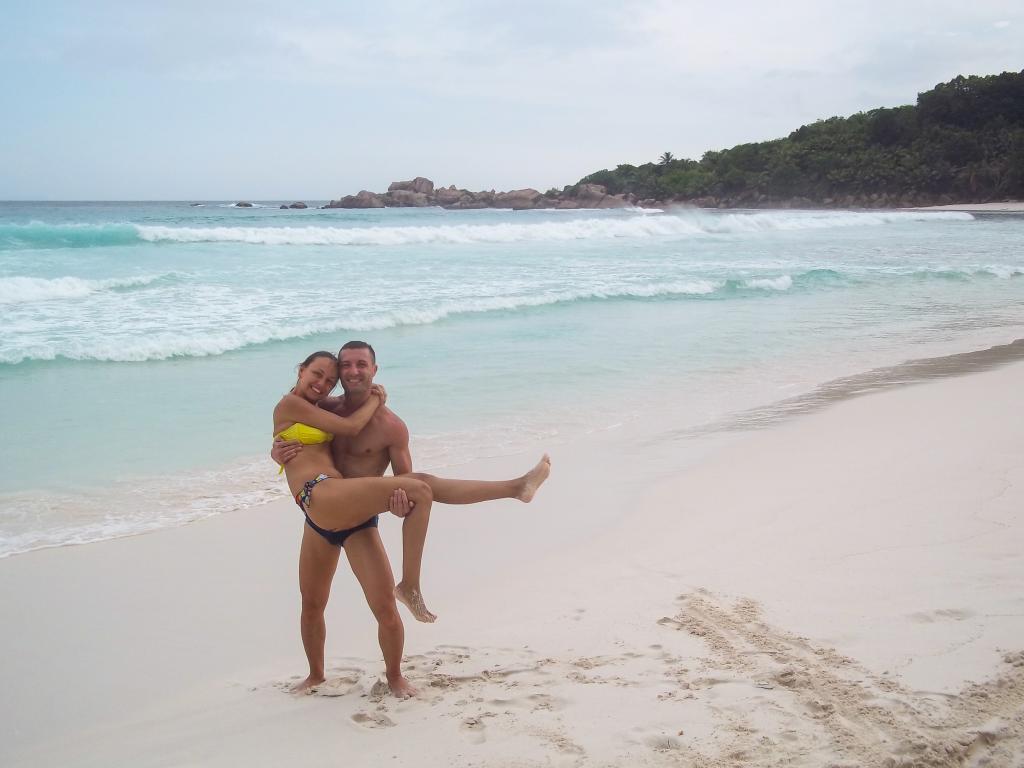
x=317 y=379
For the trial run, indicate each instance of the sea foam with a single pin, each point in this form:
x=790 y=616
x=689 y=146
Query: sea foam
x=232 y=322
x=16 y=290
x=214 y=339
x=644 y=226
x=630 y=223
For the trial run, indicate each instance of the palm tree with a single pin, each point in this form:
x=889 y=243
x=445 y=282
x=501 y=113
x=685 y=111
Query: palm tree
x=666 y=158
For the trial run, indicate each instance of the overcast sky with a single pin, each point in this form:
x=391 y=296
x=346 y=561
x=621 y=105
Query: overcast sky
x=312 y=100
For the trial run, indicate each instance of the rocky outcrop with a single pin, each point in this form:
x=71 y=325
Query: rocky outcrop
x=364 y=199
x=420 y=192
x=596 y=196
x=591 y=192
x=300 y=206
x=419 y=184
x=407 y=198
x=449 y=195
x=243 y=204
x=468 y=202
x=517 y=199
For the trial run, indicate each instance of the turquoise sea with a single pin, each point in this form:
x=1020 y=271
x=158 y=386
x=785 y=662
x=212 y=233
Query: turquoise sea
x=144 y=345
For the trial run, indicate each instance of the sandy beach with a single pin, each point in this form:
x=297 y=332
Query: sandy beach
x=1007 y=206
x=841 y=588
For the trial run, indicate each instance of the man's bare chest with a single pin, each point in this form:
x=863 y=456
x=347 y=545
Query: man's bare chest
x=365 y=443
x=367 y=451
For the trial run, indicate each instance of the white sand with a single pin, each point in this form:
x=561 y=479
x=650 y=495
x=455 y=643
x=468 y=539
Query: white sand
x=843 y=589
x=1006 y=206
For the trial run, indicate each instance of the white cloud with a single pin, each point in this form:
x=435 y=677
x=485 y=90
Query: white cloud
x=475 y=92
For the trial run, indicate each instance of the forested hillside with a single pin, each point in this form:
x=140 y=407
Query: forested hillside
x=963 y=141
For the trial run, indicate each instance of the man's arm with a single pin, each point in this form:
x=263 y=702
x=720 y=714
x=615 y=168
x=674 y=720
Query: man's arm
x=401 y=463
x=398 y=449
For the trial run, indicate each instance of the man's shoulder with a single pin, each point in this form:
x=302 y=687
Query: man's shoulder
x=392 y=422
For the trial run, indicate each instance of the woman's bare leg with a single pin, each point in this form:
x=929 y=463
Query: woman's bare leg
x=318 y=561
x=449 y=491
x=414 y=537
x=338 y=505
x=341 y=504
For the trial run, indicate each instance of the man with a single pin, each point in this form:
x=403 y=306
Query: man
x=384 y=441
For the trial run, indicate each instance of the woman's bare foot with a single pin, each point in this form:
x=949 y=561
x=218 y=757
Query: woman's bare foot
x=412 y=599
x=307 y=685
x=401 y=688
x=533 y=479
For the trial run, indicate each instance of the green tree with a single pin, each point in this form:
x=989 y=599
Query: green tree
x=963 y=138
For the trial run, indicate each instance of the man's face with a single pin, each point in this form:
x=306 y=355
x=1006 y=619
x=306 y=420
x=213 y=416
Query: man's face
x=357 y=371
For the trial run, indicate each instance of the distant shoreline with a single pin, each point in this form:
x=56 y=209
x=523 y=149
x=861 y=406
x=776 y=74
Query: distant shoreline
x=1007 y=206
x=1004 y=207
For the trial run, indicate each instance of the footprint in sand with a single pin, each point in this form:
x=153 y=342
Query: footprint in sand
x=534 y=702
x=372 y=720
x=661 y=742
x=475 y=729
x=941 y=614
x=338 y=686
x=379 y=690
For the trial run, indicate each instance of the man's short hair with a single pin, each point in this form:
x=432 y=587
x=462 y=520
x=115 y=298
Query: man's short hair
x=358 y=345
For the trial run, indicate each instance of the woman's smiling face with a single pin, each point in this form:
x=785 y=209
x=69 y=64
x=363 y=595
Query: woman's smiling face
x=317 y=379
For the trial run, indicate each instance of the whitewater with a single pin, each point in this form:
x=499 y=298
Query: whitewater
x=134 y=331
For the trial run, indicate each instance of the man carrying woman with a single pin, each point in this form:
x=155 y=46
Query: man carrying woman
x=335 y=470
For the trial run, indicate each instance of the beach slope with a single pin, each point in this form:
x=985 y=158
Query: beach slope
x=842 y=588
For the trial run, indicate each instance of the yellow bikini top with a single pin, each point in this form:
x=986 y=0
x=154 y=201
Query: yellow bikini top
x=305 y=434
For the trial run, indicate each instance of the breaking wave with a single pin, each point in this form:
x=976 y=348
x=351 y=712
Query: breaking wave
x=39 y=235
x=635 y=224
x=17 y=290
x=219 y=335
x=641 y=226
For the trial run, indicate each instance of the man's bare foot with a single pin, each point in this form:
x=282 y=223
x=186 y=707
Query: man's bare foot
x=307 y=685
x=533 y=479
x=413 y=600
x=402 y=688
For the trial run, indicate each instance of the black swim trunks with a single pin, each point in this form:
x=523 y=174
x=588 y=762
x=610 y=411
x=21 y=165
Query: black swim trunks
x=337 y=538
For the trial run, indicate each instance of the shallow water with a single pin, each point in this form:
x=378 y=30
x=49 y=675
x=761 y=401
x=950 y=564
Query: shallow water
x=145 y=344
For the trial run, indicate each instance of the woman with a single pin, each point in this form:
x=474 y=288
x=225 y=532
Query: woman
x=335 y=507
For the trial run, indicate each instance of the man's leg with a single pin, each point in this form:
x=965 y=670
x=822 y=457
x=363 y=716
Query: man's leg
x=318 y=560
x=370 y=564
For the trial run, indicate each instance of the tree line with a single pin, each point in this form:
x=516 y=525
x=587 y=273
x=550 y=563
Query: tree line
x=963 y=141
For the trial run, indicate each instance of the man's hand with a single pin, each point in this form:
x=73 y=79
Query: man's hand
x=399 y=504
x=284 y=451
